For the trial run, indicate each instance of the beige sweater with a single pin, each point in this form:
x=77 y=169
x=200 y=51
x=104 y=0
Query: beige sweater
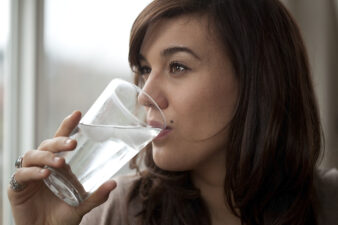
x=112 y=211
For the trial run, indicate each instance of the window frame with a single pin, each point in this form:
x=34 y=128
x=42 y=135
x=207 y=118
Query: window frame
x=20 y=81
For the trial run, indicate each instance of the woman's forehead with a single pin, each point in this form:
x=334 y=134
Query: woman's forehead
x=187 y=30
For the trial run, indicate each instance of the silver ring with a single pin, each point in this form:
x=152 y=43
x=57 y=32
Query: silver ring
x=18 y=162
x=15 y=186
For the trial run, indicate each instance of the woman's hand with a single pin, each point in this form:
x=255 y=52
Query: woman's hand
x=36 y=204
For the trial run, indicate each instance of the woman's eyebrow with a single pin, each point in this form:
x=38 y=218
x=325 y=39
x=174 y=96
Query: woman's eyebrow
x=141 y=58
x=173 y=50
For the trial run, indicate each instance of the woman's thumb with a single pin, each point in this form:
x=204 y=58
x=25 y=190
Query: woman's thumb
x=97 y=198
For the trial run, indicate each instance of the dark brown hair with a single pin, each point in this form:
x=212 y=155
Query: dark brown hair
x=274 y=137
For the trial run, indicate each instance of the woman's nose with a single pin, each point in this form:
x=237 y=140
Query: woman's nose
x=154 y=89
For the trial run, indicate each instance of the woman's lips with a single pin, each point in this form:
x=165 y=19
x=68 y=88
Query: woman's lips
x=164 y=132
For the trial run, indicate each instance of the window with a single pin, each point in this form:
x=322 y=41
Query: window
x=85 y=46
x=4 y=23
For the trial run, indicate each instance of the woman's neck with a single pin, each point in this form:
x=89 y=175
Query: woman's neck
x=209 y=179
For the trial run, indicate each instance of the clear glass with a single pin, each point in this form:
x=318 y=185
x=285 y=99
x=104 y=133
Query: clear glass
x=112 y=132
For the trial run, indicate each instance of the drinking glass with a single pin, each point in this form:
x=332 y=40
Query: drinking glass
x=112 y=132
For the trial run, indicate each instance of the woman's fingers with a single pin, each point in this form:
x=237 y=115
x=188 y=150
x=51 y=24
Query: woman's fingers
x=58 y=144
x=68 y=124
x=41 y=158
x=97 y=198
x=25 y=175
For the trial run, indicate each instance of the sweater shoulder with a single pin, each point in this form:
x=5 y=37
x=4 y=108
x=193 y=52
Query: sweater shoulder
x=114 y=209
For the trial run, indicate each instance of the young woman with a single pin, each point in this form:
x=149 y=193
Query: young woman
x=244 y=137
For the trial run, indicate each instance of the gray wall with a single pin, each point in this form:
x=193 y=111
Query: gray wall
x=318 y=21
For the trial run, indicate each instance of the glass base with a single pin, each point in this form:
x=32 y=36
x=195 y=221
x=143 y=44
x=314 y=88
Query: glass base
x=62 y=188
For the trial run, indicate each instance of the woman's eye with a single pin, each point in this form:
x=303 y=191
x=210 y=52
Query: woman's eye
x=177 y=67
x=144 y=70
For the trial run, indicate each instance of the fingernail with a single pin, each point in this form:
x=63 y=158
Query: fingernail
x=42 y=170
x=75 y=111
x=68 y=141
x=56 y=159
x=70 y=115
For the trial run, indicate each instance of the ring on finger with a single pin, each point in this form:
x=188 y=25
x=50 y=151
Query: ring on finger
x=18 y=162
x=15 y=186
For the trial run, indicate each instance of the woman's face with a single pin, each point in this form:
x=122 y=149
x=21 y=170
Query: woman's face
x=187 y=72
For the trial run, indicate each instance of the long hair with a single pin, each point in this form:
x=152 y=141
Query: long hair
x=274 y=138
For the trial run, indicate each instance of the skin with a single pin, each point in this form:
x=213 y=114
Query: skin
x=189 y=75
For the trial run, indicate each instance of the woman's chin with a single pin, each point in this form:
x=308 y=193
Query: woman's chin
x=169 y=163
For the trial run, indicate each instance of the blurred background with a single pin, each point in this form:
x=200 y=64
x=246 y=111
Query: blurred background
x=56 y=56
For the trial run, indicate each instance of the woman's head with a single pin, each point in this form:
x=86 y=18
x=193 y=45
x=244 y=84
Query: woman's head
x=184 y=68
x=263 y=115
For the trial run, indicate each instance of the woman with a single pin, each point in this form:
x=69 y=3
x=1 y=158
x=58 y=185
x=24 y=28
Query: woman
x=244 y=138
